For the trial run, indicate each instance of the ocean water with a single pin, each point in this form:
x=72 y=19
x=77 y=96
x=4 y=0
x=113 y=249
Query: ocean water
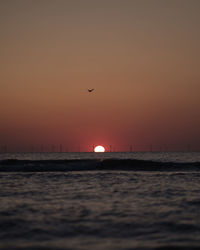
x=100 y=208
x=157 y=156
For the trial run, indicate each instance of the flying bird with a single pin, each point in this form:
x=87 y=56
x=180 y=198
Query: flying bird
x=90 y=90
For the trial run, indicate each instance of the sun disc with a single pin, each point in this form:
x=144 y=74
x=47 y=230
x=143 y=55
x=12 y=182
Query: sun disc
x=99 y=149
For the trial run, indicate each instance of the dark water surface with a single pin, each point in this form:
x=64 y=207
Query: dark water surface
x=100 y=210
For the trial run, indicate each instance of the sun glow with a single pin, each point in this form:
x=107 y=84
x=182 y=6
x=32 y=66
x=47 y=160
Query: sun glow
x=99 y=149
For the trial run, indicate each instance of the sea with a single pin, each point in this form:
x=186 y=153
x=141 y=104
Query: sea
x=111 y=201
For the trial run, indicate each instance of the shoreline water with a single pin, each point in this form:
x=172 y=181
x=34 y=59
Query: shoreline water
x=45 y=204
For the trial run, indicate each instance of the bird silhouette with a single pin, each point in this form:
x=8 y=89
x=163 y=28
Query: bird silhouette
x=90 y=90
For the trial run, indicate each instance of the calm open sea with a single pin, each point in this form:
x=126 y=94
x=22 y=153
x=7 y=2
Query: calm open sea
x=100 y=209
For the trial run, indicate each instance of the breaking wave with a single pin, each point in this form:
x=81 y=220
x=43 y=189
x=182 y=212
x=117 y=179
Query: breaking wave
x=14 y=165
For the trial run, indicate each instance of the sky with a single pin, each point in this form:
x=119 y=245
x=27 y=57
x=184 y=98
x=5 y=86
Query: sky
x=142 y=58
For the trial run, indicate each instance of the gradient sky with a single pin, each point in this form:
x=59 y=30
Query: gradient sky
x=141 y=56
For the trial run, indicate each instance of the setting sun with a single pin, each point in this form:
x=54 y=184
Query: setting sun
x=99 y=149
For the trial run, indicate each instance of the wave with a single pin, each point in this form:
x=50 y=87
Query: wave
x=14 y=165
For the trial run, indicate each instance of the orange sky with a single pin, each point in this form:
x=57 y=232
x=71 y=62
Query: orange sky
x=141 y=56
